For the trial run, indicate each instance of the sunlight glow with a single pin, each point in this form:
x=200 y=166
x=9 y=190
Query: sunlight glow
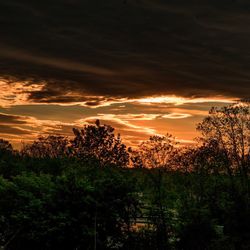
x=176 y=116
x=16 y=93
x=177 y=100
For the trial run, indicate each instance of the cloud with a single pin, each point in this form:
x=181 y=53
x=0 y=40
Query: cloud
x=182 y=100
x=27 y=127
x=5 y=129
x=139 y=66
x=7 y=119
x=133 y=117
x=176 y=116
x=133 y=127
x=18 y=93
x=117 y=122
x=97 y=52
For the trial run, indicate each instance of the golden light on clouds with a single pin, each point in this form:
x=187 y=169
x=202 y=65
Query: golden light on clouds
x=16 y=93
x=176 y=116
x=177 y=100
x=121 y=123
x=135 y=118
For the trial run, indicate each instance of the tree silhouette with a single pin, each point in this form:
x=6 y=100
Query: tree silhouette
x=155 y=152
x=52 y=146
x=5 y=147
x=230 y=128
x=99 y=142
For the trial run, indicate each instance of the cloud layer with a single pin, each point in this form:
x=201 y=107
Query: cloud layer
x=92 y=48
x=143 y=66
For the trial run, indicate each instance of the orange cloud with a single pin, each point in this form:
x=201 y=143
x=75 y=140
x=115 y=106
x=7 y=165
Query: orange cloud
x=19 y=93
x=176 y=116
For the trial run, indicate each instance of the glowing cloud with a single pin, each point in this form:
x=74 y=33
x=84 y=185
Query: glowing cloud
x=176 y=116
x=127 y=126
x=182 y=100
x=16 y=93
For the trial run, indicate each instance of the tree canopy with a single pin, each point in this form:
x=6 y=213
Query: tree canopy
x=90 y=191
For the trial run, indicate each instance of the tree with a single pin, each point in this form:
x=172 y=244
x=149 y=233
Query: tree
x=52 y=146
x=6 y=149
x=230 y=128
x=210 y=158
x=117 y=207
x=156 y=154
x=9 y=160
x=183 y=159
x=67 y=211
x=99 y=142
x=5 y=146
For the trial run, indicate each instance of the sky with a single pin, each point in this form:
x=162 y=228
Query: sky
x=143 y=66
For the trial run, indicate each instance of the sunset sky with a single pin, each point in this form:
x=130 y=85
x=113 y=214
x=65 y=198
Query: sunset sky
x=143 y=66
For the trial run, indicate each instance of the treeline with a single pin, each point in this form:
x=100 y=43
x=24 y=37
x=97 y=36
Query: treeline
x=92 y=192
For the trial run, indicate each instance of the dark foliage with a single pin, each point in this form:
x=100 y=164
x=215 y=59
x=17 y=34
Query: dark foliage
x=80 y=194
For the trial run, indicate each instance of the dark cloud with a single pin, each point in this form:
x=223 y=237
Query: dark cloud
x=11 y=119
x=5 y=129
x=112 y=49
x=15 y=125
x=28 y=126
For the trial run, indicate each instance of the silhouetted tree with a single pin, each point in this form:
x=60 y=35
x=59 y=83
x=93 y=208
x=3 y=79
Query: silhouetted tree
x=156 y=152
x=99 y=142
x=227 y=129
x=135 y=158
x=183 y=159
x=52 y=146
x=230 y=127
x=9 y=160
x=5 y=147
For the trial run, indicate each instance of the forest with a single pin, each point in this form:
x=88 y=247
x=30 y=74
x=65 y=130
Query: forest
x=91 y=191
